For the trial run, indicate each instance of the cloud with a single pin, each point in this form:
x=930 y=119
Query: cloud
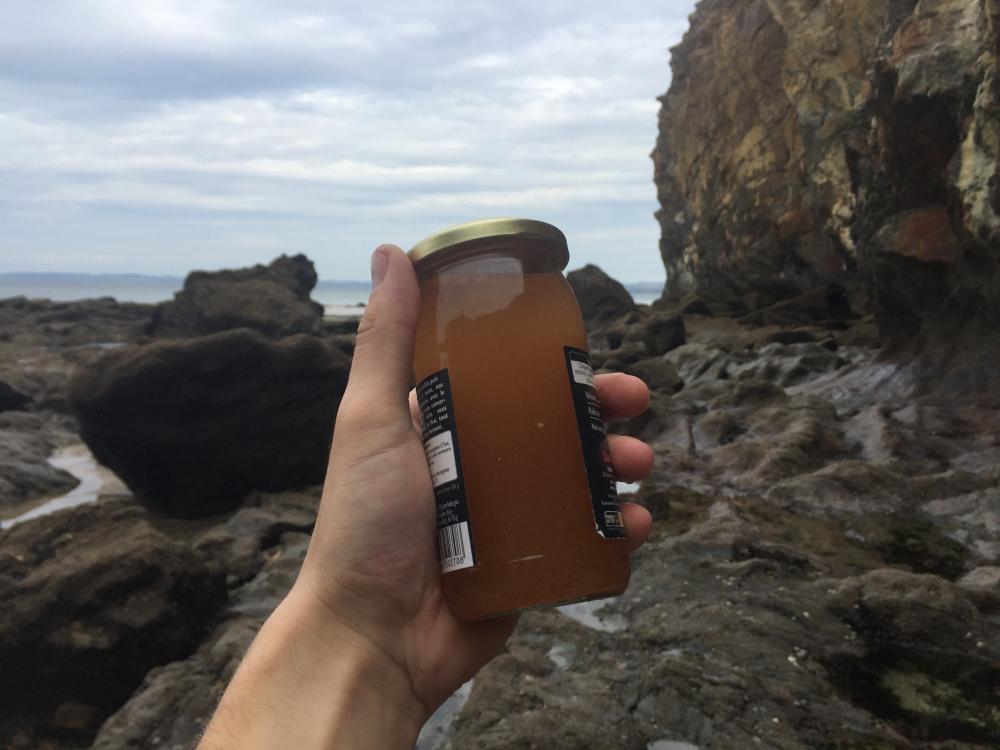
x=219 y=132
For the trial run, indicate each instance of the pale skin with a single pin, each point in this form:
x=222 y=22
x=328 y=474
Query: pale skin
x=364 y=647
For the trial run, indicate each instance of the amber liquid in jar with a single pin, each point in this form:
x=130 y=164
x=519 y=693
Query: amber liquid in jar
x=500 y=331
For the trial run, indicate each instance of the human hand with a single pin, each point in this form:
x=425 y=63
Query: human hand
x=370 y=587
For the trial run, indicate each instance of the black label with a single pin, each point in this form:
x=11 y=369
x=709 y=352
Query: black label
x=440 y=438
x=596 y=456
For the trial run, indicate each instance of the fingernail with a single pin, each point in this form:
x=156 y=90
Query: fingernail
x=380 y=265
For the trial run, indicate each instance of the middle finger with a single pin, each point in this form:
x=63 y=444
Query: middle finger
x=632 y=459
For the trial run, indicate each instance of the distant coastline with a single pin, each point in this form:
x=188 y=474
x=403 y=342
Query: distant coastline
x=335 y=295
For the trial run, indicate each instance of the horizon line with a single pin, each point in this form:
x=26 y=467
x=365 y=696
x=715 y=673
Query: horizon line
x=172 y=277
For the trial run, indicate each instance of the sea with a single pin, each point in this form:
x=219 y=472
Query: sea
x=339 y=298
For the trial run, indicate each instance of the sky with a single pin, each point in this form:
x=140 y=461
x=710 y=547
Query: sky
x=159 y=136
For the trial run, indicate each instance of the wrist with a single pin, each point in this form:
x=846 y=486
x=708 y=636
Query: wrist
x=309 y=681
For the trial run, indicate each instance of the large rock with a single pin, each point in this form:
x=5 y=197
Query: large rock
x=924 y=614
x=929 y=655
x=172 y=707
x=193 y=425
x=260 y=522
x=852 y=142
x=662 y=334
x=91 y=598
x=601 y=298
x=272 y=299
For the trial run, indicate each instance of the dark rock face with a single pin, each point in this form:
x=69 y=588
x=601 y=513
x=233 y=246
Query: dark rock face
x=256 y=526
x=663 y=334
x=176 y=701
x=193 y=425
x=637 y=336
x=273 y=300
x=12 y=399
x=92 y=598
x=849 y=142
x=601 y=298
x=927 y=654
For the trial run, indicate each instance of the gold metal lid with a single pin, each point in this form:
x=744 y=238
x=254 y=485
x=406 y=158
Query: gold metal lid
x=454 y=238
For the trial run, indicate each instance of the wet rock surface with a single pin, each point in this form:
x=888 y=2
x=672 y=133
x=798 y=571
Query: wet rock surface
x=193 y=425
x=93 y=598
x=815 y=577
x=41 y=343
x=273 y=300
x=174 y=703
x=821 y=571
x=26 y=441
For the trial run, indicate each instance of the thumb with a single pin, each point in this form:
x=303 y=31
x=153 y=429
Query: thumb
x=382 y=370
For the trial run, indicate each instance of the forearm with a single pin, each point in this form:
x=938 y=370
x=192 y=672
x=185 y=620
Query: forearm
x=308 y=684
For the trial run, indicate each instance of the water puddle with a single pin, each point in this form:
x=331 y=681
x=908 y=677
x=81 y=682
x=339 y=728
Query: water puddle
x=95 y=480
x=435 y=731
x=671 y=745
x=106 y=345
x=586 y=613
x=343 y=311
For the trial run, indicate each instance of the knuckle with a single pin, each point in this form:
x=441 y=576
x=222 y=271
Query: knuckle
x=368 y=325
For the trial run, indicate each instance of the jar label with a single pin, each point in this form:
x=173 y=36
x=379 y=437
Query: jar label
x=596 y=455
x=455 y=550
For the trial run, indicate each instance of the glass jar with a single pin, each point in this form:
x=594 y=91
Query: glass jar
x=527 y=509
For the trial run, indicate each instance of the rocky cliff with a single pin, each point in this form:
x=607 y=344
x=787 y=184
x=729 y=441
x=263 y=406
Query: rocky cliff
x=850 y=143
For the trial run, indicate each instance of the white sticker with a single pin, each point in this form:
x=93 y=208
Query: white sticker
x=582 y=372
x=441 y=458
x=454 y=547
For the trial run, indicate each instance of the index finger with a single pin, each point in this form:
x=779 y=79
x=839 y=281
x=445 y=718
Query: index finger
x=622 y=396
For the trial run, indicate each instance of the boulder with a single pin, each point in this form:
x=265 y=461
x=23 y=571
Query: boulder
x=929 y=654
x=662 y=334
x=601 y=298
x=272 y=299
x=172 y=707
x=92 y=598
x=924 y=614
x=193 y=425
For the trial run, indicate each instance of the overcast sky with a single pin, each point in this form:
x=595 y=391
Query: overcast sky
x=160 y=136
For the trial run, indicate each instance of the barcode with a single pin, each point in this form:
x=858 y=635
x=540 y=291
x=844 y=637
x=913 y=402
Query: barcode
x=454 y=547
